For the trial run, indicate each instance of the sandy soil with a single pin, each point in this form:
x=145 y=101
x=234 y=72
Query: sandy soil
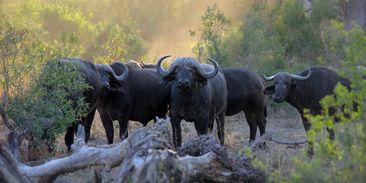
x=285 y=125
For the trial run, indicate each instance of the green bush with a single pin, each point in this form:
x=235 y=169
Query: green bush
x=32 y=92
x=214 y=23
x=261 y=49
x=301 y=35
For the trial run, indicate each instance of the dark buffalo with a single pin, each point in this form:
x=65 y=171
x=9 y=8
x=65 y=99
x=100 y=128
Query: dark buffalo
x=139 y=97
x=245 y=93
x=198 y=93
x=92 y=78
x=136 y=64
x=305 y=90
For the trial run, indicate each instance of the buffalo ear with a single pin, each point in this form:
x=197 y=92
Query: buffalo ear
x=269 y=90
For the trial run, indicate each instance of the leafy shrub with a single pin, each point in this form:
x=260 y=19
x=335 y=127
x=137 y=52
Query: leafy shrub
x=32 y=95
x=214 y=23
x=260 y=47
x=301 y=35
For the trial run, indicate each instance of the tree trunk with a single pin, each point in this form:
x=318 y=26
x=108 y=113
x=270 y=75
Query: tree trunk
x=353 y=11
x=9 y=167
x=308 y=7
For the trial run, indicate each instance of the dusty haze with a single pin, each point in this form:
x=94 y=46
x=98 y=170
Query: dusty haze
x=176 y=39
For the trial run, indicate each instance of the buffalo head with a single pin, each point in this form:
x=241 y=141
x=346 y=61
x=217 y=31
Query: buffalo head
x=186 y=72
x=108 y=76
x=283 y=84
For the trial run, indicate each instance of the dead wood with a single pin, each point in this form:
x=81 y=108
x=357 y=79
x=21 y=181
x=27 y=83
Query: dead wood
x=82 y=156
x=150 y=159
x=260 y=143
x=9 y=167
x=206 y=160
x=147 y=156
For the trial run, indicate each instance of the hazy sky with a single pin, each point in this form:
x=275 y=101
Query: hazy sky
x=177 y=40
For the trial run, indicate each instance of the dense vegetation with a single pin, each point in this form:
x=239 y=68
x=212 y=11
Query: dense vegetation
x=263 y=36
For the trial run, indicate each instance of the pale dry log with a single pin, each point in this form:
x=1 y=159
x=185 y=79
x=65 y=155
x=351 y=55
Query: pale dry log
x=260 y=142
x=150 y=159
x=294 y=143
x=146 y=156
x=9 y=167
x=206 y=160
x=149 y=156
x=83 y=156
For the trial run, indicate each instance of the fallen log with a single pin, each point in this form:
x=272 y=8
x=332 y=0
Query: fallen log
x=150 y=159
x=9 y=167
x=260 y=143
x=82 y=156
x=206 y=160
x=147 y=156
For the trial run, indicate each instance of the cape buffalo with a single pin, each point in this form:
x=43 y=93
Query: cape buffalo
x=141 y=65
x=245 y=93
x=92 y=78
x=198 y=93
x=139 y=97
x=134 y=64
x=305 y=90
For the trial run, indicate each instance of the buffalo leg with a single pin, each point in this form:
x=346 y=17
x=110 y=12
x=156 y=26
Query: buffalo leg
x=307 y=128
x=261 y=122
x=69 y=136
x=210 y=126
x=177 y=131
x=220 y=121
x=252 y=126
x=202 y=125
x=108 y=127
x=123 y=127
x=88 y=121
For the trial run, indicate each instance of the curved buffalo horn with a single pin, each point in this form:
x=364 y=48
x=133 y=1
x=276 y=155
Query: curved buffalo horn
x=160 y=70
x=210 y=74
x=123 y=75
x=270 y=78
x=297 y=77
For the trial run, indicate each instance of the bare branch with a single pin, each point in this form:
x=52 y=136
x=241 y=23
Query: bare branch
x=260 y=142
x=9 y=171
x=82 y=157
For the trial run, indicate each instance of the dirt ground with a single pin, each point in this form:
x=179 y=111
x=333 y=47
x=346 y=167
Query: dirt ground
x=282 y=121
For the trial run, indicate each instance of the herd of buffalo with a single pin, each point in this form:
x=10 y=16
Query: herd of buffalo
x=199 y=93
